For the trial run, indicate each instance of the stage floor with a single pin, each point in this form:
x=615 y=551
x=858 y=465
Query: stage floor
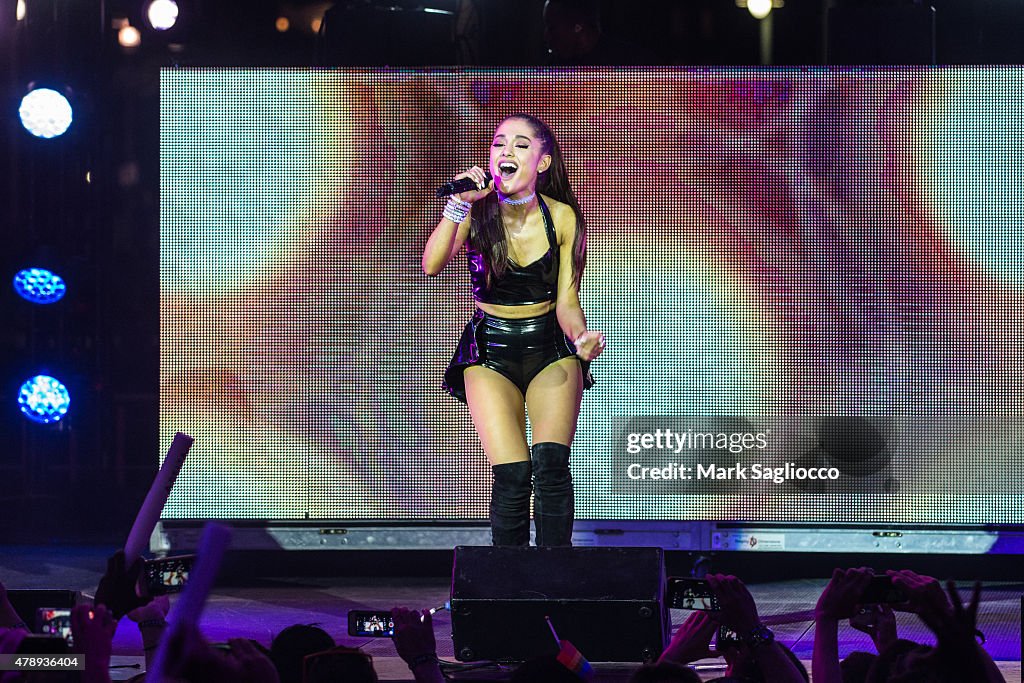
x=261 y=610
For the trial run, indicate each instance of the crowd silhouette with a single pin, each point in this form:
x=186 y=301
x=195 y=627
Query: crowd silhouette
x=733 y=632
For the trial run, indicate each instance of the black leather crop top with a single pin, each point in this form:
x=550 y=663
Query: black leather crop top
x=534 y=283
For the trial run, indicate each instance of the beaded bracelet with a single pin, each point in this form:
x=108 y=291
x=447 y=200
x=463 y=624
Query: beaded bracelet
x=456 y=210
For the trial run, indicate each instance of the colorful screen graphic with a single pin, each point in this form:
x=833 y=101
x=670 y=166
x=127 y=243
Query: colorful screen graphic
x=810 y=282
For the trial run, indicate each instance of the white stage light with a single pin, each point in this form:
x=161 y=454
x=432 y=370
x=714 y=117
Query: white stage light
x=162 y=14
x=45 y=113
x=759 y=8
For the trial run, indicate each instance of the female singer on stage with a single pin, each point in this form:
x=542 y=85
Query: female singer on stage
x=527 y=346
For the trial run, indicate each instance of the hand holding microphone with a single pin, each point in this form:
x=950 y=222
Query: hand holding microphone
x=468 y=186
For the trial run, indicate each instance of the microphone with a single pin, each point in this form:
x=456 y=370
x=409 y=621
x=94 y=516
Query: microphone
x=460 y=185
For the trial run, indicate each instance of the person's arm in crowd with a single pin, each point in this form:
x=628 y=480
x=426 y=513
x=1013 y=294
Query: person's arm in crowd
x=93 y=629
x=954 y=625
x=152 y=622
x=692 y=641
x=837 y=602
x=8 y=616
x=739 y=612
x=415 y=644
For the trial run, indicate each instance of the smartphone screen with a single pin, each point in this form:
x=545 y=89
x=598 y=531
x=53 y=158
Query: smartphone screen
x=687 y=593
x=53 y=621
x=880 y=590
x=726 y=638
x=168 y=575
x=370 y=624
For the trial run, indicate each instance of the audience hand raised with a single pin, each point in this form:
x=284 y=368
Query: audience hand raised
x=92 y=627
x=925 y=596
x=414 y=633
x=879 y=622
x=945 y=616
x=737 y=607
x=693 y=639
x=843 y=593
x=118 y=587
x=414 y=641
x=154 y=610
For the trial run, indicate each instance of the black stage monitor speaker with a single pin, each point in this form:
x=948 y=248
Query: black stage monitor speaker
x=609 y=602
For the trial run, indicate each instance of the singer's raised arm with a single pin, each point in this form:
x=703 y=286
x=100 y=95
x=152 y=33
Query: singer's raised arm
x=444 y=243
x=451 y=233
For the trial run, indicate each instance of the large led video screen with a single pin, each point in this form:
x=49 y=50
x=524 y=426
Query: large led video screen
x=810 y=282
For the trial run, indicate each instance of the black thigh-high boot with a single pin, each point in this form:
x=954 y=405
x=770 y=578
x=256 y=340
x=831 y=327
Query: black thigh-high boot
x=510 y=504
x=553 y=505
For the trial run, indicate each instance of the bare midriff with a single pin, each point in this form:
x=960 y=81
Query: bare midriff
x=517 y=312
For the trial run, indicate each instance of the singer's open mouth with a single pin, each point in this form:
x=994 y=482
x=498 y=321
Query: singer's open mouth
x=507 y=169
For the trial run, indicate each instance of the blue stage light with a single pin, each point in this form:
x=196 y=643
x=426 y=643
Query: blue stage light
x=40 y=286
x=43 y=399
x=45 y=113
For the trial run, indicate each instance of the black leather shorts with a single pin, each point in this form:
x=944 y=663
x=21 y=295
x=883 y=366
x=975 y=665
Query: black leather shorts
x=517 y=348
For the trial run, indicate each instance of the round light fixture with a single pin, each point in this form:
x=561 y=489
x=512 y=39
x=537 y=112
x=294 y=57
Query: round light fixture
x=44 y=399
x=162 y=14
x=45 y=113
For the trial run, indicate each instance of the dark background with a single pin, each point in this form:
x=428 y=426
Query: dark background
x=86 y=204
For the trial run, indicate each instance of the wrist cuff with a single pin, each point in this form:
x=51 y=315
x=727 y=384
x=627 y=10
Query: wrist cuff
x=152 y=623
x=422 y=659
x=760 y=635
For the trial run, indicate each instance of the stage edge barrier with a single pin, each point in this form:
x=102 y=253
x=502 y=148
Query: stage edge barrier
x=172 y=536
